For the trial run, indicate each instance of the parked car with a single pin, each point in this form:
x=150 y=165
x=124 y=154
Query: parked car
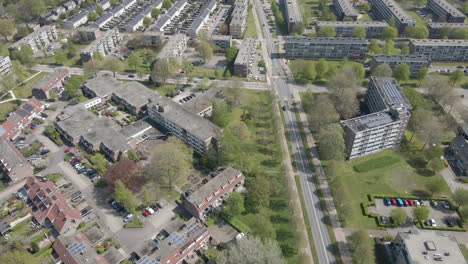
x=400 y=202
x=416 y=203
x=387 y=201
x=405 y=203
x=430 y=222
x=393 y=201
x=422 y=202
x=67 y=150
x=128 y=218
x=384 y=219
x=410 y=202
x=161 y=204
x=451 y=222
x=446 y=205
x=32 y=127
x=434 y=203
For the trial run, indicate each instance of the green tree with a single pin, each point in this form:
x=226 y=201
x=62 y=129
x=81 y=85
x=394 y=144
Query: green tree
x=359 y=32
x=112 y=64
x=133 y=155
x=402 y=72
x=147 y=200
x=187 y=66
x=6 y=28
x=422 y=74
x=389 y=33
x=359 y=244
x=399 y=216
x=167 y=4
x=164 y=69
x=19 y=71
x=461 y=197
x=259 y=192
x=298 y=28
x=420 y=213
x=374 y=47
x=323 y=113
x=331 y=143
x=98 y=56
x=263 y=226
x=115 y=2
x=60 y=57
x=459 y=33
x=435 y=185
x=456 y=76
x=147 y=22
x=405 y=49
x=326 y=31
x=383 y=70
x=155 y=13
x=17 y=256
x=205 y=50
x=99 y=10
x=419 y=31
x=99 y=162
x=365 y=7
x=92 y=16
x=251 y=249
x=72 y=87
x=234 y=205
x=25 y=55
x=35 y=247
x=391 y=22
x=231 y=54
x=91 y=68
x=124 y=196
x=134 y=61
x=321 y=68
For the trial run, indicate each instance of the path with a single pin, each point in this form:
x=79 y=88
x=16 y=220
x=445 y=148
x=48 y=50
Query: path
x=13 y=97
x=452 y=181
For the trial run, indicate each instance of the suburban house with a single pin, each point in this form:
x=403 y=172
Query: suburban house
x=20 y=118
x=176 y=243
x=51 y=208
x=459 y=148
x=13 y=165
x=203 y=201
x=54 y=82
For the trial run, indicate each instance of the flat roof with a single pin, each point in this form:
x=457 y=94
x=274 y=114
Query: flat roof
x=347 y=8
x=33 y=35
x=101 y=40
x=446 y=24
x=9 y=155
x=448 y=8
x=320 y=40
x=201 y=101
x=390 y=92
x=246 y=50
x=173 y=43
x=294 y=15
x=440 y=42
x=369 y=121
x=400 y=58
x=397 y=11
x=353 y=23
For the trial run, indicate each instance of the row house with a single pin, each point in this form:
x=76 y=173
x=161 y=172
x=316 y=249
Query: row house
x=107 y=42
x=21 y=118
x=13 y=165
x=53 y=82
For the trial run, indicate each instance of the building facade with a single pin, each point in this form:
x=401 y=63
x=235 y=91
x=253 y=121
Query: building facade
x=442 y=29
x=37 y=39
x=344 y=9
x=440 y=49
x=293 y=15
x=239 y=18
x=174 y=48
x=5 y=65
x=330 y=48
x=374 y=29
x=53 y=82
x=13 y=166
x=107 y=42
x=446 y=11
x=224 y=41
x=389 y=8
x=459 y=150
x=200 y=21
x=415 y=62
x=245 y=57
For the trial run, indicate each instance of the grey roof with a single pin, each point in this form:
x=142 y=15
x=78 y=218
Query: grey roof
x=135 y=20
x=369 y=121
x=446 y=24
x=325 y=40
x=213 y=185
x=435 y=243
x=135 y=93
x=400 y=58
x=353 y=23
x=347 y=8
x=135 y=128
x=105 y=37
x=245 y=51
x=294 y=15
x=461 y=144
x=78 y=16
x=104 y=2
x=81 y=251
x=449 y=8
x=198 y=22
x=439 y=42
x=102 y=86
x=390 y=92
x=49 y=78
x=8 y=154
x=168 y=50
x=202 y=101
x=398 y=12
x=104 y=19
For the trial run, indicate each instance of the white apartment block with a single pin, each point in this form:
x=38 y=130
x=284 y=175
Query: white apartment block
x=5 y=65
x=104 y=44
x=37 y=39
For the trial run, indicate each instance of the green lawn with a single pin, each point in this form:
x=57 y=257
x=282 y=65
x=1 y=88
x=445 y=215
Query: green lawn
x=147 y=57
x=309 y=8
x=463 y=83
x=6 y=108
x=251 y=30
x=364 y=17
x=334 y=64
x=73 y=61
x=25 y=91
x=418 y=18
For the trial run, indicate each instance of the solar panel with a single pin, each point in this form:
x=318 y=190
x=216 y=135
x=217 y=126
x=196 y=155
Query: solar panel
x=28 y=107
x=22 y=113
x=76 y=248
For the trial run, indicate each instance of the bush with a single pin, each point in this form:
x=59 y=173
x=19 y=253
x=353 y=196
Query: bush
x=68 y=156
x=81 y=225
x=35 y=247
x=135 y=223
x=376 y=163
x=238 y=224
x=54 y=177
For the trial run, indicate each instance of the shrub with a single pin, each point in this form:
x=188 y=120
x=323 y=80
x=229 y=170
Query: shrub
x=35 y=247
x=81 y=225
x=135 y=223
x=376 y=163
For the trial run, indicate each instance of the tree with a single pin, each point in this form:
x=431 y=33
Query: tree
x=391 y=22
x=420 y=3
x=17 y=256
x=420 y=213
x=359 y=32
x=389 y=47
x=163 y=69
x=60 y=57
x=264 y=227
x=25 y=55
x=461 y=197
x=383 y=70
x=323 y=113
x=405 y=49
x=187 y=66
x=389 y=33
x=326 y=31
x=321 y=68
x=155 y=13
x=100 y=162
x=19 y=71
x=6 y=28
x=72 y=87
x=374 y=47
x=35 y=247
x=91 y=68
x=92 y=16
x=251 y=249
x=147 y=200
x=98 y=56
x=429 y=131
x=134 y=61
x=331 y=143
x=99 y=10
x=112 y=64
x=418 y=31
x=365 y=7
x=128 y=172
x=456 y=76
x=258 y=196
x=71 y=49
x=205 y=50
x=435 y=185
x=114 y=2
x=147 y=22
x=231 y=54
x=298 y=28
x=170 y=161
x=234 y=205
x=167 y=4
x=399 y=216
x=459 y=33
x=124 y=196
x=402 y=72
x=422 y=74
x=361 y=251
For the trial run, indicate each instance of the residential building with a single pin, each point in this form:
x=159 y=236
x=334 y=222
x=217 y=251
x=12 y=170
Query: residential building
x=440 y=49
x=384 y=127
x=53 y=82
x=330 y=48
x=105 y=4
x=239 y=18
x=137 y=21
x=70 y=5
x=415 y=62
x=149 y=39
x=13 y=165
x=344 y=9
x=202 y=104
x=20 y=118
x=202 y=202
x=174 y=48
x=293 y=15
x=166 y=19
x=224 y=41
x=200 y=21
x=440 y=29
x=389 y=8
x=444 y=10
x=51 y=208
x=245 y=57
x=107 y=42
x=87 y=34
x=459 y=150
x=195 y=131
x=5 y=65
x=37 y=39
x=79 y=19
x=374 y=29
x=424 y=246
x=176 y=243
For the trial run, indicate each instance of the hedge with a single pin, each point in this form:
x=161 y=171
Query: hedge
x=376 y=163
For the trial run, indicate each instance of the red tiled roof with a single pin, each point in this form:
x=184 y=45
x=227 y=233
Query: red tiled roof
x=11 y=127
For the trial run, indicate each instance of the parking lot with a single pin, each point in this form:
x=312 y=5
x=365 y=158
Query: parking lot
x=440 y=214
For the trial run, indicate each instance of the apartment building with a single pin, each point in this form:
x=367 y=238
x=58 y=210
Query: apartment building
x=330 y=48
x=239 y=18
x=175 y=243
x=293 y=15
x=53 y=82
x=459 y=150
x=137 y=21
x=13 y=165
x=38 y=39
x=166 y=19
x=202 y=104
x=20 y=118
x=344 y=9
x=116 y=11
x=446 y=11
x=384 y=127
x=148 y=39
x=200 y=21
x=224 y=41
x=87 y=34
x=245 y=57
x=426 y=246
x=202 y=202
x=107 y=42
x=440 y=29
x=374 y=29
x=174 y=48
x=82 y=17
x=389 y=8
x=5 y=65
x=51 y=208
x=415 y=62
x=440 y=49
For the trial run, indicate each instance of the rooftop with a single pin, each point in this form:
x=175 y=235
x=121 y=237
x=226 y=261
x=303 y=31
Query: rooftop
x=246 y=50
x=369 y=121
x=439 y=42
x=203 y=101
x=449 y=8
x=33 y=35
x=446 y=24
x=105 y=37
x=398 y=12
x=10 y=155
x=390 y=92
x=400 y=58
x=173 y=43
x=198 y=22
x=51 y=79
x=325 y=40
x=353 y=23
x=294 y=15
x=347 y=8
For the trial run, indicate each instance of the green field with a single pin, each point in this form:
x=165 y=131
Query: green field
x=6 y=108
x=25 y=91
x=251 y=30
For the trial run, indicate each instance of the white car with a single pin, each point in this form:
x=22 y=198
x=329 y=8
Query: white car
x=128 y=218
x=150 y=210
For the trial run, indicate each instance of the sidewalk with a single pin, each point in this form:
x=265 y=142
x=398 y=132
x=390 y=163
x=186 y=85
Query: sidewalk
x=451 y=180
x=332 y=213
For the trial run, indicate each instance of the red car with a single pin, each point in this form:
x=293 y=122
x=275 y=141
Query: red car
x=405 y=202
x=410 y=202
x=67 y=150
x=393 y=201
x=146 y=213
x=32 y=127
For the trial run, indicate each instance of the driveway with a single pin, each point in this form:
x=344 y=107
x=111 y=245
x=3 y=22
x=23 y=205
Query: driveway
x=452 y=181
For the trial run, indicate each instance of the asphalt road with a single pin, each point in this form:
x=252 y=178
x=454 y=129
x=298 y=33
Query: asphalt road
x=314 y=211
